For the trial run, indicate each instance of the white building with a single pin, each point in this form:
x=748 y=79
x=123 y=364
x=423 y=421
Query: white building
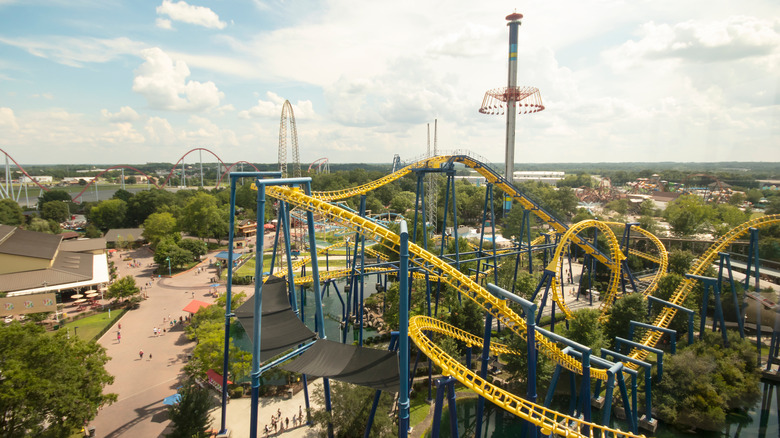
x=41 y=179
x=545 y=176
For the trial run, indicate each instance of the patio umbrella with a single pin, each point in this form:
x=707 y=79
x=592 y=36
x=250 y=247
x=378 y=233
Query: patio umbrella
x=80 y=300
x=172 y=399
x=215 y=285
x=75 y=296
x=91 y=295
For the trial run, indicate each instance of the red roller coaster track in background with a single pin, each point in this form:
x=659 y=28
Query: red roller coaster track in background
x=160 y=186
x=232 y=166
x=319 y=163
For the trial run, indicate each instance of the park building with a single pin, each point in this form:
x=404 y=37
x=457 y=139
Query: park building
x=42 y=179
x=546 y=176
x=37 y=268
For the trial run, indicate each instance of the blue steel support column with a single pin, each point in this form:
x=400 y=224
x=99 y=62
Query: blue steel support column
x=362 y=271
x=585 y=386
x=725 y=261
x=403 y=337
x=315 y=274
x=284 y=213
x=718 y=317
x=437 y=408
x=258 y=310
x=451 y=405
x=689 y=312
x=529 y=308
x=483 y=371
x=752 y=259
x=223 y=425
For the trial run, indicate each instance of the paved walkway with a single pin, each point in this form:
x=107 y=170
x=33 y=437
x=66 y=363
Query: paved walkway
x=142 y=382
x=239 y=414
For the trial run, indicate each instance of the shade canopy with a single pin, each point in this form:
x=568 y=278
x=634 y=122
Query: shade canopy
x=194 y=306
x=281 y=329
x=172 y=399
x=363 y=366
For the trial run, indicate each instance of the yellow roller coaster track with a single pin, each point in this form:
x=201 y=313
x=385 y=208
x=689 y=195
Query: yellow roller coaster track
x=490 y=176
x=701 y=264
x=548 y=420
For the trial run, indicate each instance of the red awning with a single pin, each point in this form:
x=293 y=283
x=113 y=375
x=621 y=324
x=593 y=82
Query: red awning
x=269 y=226
x=194 y=306
x=216 y=377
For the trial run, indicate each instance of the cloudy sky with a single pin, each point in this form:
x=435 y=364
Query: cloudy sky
x=123 y=82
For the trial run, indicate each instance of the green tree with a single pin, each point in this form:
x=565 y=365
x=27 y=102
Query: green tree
x=190 y=416
x=50 y=385
x=42 y=226
x=123 y=288
x=53 y=195
x=688 y=215
x=109 y=214
x=147 y=202
x=585 y=329
x=92 y=232
x=168 y=249
x=619 y=206
x=10 y=212
x=351 y=405
x=628 y=308
x=158 y=226
x=680 y=261
x=202 y=218
x=123 y=195
x=198 y=248
x=56 y=211
x=705 y=381
x=402 y=202
x=647 y=208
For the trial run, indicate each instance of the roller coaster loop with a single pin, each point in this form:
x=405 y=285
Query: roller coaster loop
x=548 y=420
x=159 y=186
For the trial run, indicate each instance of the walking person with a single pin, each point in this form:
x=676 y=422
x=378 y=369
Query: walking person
x=118 y=337
x=141 y=354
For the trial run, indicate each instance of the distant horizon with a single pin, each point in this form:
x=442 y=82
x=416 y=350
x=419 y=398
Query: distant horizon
x=121 y=80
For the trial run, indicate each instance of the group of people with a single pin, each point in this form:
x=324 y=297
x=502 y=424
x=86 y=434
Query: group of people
x=279 y=425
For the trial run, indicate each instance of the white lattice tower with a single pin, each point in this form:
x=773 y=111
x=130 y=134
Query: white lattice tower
x=288 y=117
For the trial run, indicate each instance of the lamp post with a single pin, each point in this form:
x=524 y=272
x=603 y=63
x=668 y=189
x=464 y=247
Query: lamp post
x=168 y=259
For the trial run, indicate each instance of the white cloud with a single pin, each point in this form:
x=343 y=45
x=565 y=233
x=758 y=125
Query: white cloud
x=125 y=114
x=163 y=23
x=75 y=52
x=186 y=13
x=8 y=119
x=272 y=108
x=123 y=134
x=163 y=82
x=700 y=41
x=160 y=132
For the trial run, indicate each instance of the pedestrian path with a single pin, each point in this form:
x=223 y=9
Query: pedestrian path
x=142 y=382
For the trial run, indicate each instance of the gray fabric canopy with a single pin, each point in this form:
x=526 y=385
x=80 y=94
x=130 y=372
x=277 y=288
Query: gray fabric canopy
x=282 y=330
x=363 y=366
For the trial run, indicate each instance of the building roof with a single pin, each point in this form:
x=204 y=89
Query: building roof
x=82 y=245
x=126 y=234
x=15 y=241
x=68 y=267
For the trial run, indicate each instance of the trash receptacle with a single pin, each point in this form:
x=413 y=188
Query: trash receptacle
x=91 y=430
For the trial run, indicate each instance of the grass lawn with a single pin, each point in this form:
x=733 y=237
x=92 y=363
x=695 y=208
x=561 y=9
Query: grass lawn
x=248 y=268
x=91 y=326
x=418 y=407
